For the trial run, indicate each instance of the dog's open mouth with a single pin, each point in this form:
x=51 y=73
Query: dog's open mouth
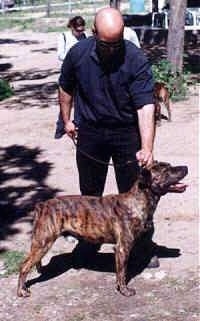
x=177 y=188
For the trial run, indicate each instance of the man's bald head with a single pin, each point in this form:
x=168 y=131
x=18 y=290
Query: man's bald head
x=109 y=24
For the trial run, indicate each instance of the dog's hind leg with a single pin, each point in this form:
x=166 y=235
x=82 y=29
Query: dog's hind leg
x=168 y=106
x=157 y=113
x=34 y=258
x=122 y=252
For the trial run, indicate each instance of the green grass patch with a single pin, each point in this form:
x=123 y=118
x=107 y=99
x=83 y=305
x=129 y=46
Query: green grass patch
x=11 y=261
x=5 y=90
x=21 y=24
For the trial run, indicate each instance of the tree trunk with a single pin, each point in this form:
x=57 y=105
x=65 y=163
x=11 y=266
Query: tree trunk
x=48 y=8
x=175 y=42
x=115 y=4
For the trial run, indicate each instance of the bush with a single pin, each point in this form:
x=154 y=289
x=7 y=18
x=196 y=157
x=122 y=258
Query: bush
x=5 y=90
x=175 y=82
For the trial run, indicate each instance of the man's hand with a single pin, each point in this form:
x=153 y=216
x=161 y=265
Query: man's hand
x=145 y=158
x=70 y=129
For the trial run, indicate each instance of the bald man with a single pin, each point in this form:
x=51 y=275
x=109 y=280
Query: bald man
x=111 y=82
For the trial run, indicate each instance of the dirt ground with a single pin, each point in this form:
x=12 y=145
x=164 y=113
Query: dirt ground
x=35 y=166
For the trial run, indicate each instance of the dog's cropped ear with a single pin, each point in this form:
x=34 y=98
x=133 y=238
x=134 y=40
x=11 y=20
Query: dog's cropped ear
x=144 y=178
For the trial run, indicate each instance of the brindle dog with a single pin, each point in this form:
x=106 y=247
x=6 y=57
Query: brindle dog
x=118 y=219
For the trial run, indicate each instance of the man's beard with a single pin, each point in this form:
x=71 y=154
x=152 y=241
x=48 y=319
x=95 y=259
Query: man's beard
x=108 y=60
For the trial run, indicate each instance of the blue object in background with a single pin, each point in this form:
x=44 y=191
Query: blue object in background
x=136 y=6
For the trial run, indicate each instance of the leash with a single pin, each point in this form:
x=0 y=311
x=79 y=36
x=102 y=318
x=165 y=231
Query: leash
x=74 y=139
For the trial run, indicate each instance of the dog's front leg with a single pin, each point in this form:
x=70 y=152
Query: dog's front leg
x=122 y=251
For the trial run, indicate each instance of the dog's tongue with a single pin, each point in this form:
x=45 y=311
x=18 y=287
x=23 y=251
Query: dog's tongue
x=178 y=188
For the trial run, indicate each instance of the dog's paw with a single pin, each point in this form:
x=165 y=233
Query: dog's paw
x=126 y=291
x=23 y=292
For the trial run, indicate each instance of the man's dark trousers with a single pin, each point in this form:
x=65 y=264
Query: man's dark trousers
x=98 y=143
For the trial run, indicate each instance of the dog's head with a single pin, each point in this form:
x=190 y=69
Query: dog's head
x=162 y=178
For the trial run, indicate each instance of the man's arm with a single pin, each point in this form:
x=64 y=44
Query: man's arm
x=147 y=132
x=65 y=102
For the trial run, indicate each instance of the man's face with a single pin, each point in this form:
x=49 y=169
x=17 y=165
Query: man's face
x=78 y=32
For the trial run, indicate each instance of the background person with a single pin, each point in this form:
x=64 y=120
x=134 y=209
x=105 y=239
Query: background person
x=65 y=41
x=68 y=38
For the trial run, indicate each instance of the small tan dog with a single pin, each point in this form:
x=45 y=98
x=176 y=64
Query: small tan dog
x=161 y=96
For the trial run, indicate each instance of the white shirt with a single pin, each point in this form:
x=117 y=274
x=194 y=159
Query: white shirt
x=65 y=41
x=131 y=35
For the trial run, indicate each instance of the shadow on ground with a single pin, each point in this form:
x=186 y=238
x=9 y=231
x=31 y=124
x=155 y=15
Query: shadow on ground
x=35 y=95
x=21 y=42
x=45 y=51
x=22 y=183
x=101 y=262
x=5 y=66
x=31 y=94
x=31 y=74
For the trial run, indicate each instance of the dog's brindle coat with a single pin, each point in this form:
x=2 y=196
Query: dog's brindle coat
x=118 y=219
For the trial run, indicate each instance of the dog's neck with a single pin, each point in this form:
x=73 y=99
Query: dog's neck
x=139 y=188
x=139 y=191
